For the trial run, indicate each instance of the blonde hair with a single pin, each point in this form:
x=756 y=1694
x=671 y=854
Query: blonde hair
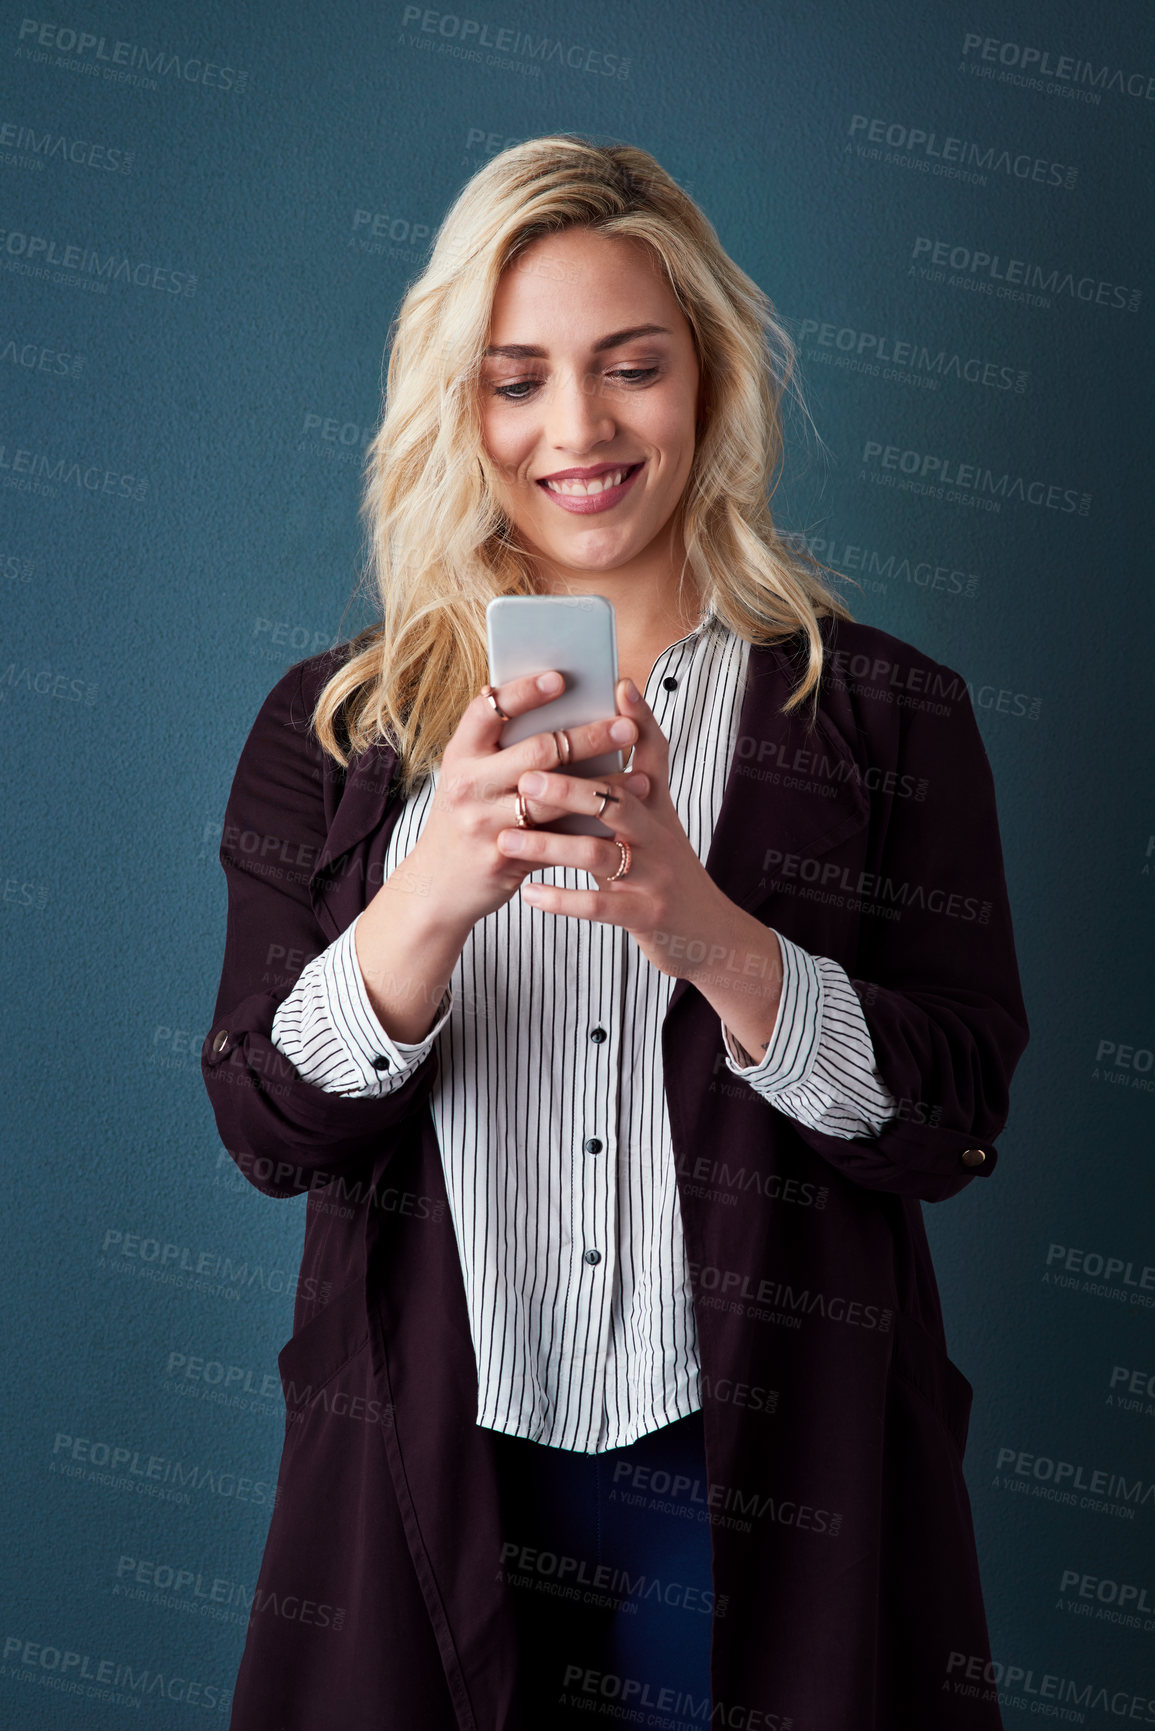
x=440 y=545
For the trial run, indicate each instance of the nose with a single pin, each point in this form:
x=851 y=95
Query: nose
x=578 y=413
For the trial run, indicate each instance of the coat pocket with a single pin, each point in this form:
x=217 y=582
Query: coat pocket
x=924 y=1366
x=315 y=1354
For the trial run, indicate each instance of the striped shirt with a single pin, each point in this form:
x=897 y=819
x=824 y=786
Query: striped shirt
x=550 y=1108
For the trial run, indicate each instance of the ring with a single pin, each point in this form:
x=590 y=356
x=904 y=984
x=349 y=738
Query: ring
x=624 y=869
x=605 y=796
x=565 y=756
x=489 y=692
x=522 y=811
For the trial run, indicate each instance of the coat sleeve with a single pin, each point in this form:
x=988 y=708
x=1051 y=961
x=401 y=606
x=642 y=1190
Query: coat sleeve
x=936 y=974
x=287 y=1135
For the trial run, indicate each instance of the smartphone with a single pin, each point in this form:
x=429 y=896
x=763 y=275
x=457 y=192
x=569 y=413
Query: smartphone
x=575 y=634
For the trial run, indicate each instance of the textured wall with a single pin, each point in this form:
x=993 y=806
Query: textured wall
x=209 y=216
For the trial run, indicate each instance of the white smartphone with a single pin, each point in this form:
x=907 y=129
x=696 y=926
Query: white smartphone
x=576 y=635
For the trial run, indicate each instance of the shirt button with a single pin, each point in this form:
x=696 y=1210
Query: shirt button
x=381 y=1062
x=593 y=1145
x=973 y=1156
x=220 y=1039
x=669 y=683
x=597 y=1035
x=593 y=1256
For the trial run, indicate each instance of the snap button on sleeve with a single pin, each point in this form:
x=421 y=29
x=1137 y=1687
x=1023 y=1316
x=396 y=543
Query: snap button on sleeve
x=973 y=1156
x=381 y=1062
x=220 y=1040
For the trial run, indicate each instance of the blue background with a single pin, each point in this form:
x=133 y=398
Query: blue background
x=180 y=453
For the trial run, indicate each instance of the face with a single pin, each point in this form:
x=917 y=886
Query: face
x=589 y=398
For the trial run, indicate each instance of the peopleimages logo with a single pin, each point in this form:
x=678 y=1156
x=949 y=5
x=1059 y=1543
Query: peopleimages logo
x=973 y=1676
x=1107 y=1592
x=878 y=569
x=965 y=483
x=123 y=62
x=1057 y=1480
x=44 y=256
x=471 y=37
x=907 y=362
x=36 y=148
x=1021 y=63
x=101 y=1679
x=1018 y=278
x=954 y=158
x=25 y=469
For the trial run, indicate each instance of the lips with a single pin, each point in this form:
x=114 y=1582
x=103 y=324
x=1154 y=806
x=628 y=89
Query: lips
x=591 y=485
x=601 y=492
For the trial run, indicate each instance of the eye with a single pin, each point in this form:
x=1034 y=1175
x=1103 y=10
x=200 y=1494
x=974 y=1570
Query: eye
x=518 y=392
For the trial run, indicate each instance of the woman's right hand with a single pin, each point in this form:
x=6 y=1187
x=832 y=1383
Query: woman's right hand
x=409 y=937
x=456 y=858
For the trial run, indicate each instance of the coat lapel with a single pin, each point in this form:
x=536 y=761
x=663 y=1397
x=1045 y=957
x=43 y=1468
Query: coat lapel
x=364 y=808
x=794 y=788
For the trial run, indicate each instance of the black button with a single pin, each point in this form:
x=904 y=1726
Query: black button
x=593 y=1255
x=597 y=1036
x=593 y=1145
x=670 y=683
x=382 y=1062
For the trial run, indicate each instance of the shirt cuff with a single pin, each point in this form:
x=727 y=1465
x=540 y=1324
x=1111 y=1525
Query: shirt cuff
x=382 y=1063
x=329 y=1031
x=794 y=1042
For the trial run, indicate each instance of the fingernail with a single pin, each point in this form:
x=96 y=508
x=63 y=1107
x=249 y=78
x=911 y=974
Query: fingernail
x=623 y=731
x=632 y=692
x=532 y=783
x=550 y=682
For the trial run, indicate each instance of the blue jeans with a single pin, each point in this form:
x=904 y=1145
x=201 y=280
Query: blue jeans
x=607 y=1560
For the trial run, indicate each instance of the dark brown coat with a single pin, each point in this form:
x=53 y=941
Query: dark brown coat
x=842 y=1532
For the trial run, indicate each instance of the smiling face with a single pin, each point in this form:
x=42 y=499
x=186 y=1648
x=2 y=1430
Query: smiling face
x=589 y=399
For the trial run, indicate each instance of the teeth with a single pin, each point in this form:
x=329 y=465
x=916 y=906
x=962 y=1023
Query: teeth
x=581 y=489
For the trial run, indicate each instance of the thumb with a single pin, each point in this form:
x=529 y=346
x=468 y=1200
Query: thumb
x=652 y=750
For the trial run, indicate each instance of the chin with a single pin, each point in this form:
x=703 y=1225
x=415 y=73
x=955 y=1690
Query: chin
x=597 y=559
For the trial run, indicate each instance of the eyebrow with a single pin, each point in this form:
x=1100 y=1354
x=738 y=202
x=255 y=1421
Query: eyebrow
x=527 y=351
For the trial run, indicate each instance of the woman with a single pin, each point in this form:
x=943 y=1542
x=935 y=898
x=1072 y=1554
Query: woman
x=618 y=1381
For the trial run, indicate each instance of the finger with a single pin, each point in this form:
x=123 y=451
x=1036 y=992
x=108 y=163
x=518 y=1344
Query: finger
x=546 y=751
x=541 y=812
x=534 y=848
x=601 y=905
x=624 y=813
x=480 y=726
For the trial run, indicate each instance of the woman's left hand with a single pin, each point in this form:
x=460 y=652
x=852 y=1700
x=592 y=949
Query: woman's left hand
x=677 y=915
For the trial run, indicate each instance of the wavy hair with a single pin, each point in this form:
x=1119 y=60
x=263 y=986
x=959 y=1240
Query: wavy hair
x=439 y=545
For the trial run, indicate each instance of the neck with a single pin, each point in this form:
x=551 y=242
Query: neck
x=644 y=597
